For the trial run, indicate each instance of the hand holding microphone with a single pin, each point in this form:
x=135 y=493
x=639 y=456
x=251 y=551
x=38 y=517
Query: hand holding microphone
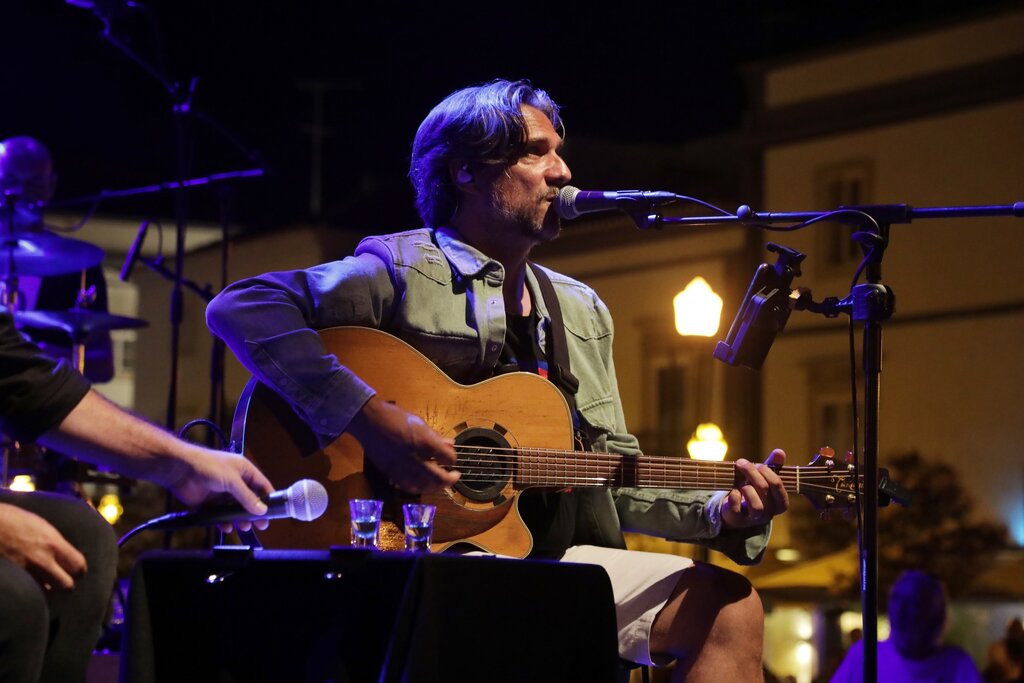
x=305 y=500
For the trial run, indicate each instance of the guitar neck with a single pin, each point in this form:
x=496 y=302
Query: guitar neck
x=562 y=469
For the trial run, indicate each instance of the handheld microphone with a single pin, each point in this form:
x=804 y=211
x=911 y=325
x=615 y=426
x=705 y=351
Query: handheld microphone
x=305 y=500
x=133 y=252
x=573 y=202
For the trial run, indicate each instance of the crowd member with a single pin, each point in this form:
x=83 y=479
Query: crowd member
x=914 y=652
x=58 y=557
x=1004 y=660
x=486 y=168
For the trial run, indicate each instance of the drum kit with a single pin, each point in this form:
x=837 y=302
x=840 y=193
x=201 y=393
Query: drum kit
x=40 y=254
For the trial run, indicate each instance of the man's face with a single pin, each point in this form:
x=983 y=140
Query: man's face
x=26 y=170
x=522 y=194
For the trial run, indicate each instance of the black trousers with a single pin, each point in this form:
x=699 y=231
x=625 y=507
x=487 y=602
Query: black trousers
x=45 y=635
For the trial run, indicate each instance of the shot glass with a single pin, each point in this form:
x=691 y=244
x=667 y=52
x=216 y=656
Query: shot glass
x=419 y=526
x=365 y=516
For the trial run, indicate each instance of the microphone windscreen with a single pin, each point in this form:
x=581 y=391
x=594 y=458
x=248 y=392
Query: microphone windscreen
x=565 y=203
x=307 y=500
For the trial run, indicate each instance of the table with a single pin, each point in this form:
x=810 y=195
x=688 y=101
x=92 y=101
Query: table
x=237 y=614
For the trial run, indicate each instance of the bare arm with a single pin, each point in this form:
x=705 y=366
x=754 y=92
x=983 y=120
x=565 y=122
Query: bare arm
x=101 y=432
x=412 y=454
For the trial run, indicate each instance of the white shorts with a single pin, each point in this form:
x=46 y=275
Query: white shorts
x=641 y=583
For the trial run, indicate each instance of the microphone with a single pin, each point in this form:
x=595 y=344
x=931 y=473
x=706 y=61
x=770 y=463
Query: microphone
x=573 y=202
x=133 y=252
x=305 y=500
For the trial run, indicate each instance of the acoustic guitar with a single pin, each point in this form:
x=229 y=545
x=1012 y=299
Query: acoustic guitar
x=512 y=433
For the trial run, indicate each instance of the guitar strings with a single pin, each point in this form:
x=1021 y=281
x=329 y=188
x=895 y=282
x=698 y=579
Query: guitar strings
x=643 y=463
x=595 y=468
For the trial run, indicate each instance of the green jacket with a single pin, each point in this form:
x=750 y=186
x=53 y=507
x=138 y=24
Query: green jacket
x=444 y=298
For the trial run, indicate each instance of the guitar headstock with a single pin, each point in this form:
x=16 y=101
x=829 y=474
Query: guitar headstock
x=829 y=483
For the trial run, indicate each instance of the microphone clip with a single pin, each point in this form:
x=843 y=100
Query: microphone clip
x=644 y=207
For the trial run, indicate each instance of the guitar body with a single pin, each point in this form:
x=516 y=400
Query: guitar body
x=481 y=510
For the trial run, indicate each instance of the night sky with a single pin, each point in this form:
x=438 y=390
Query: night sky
x=642 y=74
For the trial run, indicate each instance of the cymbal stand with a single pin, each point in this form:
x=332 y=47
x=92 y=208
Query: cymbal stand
x=8 y=299
x=9 y=292
x=82 y=301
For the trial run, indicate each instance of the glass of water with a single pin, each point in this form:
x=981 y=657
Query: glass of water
x=419 y=526
x=365 y=516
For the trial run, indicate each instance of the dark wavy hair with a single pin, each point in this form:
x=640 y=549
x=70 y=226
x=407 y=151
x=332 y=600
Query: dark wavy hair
x=482 y=124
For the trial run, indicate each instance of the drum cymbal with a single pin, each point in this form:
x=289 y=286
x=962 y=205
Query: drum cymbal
x=45 y=253
x=76 y=322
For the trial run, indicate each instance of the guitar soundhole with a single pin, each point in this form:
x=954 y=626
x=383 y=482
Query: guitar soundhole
x=486 y=461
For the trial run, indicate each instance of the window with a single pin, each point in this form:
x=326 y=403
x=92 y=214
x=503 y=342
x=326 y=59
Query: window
x=671 y=422
x=831 y=408
x=846 y=184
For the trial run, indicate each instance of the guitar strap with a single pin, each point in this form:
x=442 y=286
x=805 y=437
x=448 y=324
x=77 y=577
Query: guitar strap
x=558 y=352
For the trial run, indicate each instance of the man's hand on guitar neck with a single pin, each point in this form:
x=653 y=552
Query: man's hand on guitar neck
x=759 y=495
x=405 y=449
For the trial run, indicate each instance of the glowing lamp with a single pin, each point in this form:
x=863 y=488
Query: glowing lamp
x=707 y=443
x=23 y=482
x=698 y=309
x=110 y=507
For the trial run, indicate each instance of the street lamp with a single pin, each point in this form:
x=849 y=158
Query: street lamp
x=698 y=312
x=23 y=482
x=698 y=309
x=707 y=443
x=110 y=507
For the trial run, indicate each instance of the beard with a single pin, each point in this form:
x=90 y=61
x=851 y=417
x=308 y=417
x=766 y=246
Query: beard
x=535 y=219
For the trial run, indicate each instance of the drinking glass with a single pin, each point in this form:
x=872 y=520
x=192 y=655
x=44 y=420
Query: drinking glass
x=419 y=526
x=365 y=516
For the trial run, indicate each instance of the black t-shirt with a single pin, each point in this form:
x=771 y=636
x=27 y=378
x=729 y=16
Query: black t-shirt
x=36 y=392
x=549 y=515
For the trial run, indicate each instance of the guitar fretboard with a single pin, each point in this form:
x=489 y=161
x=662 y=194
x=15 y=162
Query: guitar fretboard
x=560 y=469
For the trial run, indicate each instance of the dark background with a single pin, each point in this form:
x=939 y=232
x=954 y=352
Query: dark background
x=640 y=73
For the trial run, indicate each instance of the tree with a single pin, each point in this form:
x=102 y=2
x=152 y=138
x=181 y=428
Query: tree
x=938 y=532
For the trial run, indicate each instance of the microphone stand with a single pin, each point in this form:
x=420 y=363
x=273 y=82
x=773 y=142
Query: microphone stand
x=203 y=181
x=217 y=405
x=184 y=114
x=870 y=303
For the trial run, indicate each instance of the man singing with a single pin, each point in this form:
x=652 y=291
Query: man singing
x=486 y=168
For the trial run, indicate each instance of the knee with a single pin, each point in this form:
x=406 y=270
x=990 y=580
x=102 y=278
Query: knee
x=85 y=529
x=742 y=610
x=93 y=536
x=99 y=540
x=712 y=608
x=729 y=601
